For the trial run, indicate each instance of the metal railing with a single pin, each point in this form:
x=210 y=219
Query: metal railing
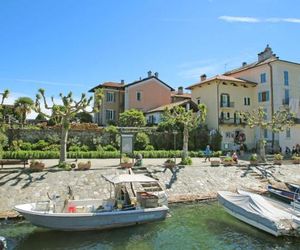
x=227 y=105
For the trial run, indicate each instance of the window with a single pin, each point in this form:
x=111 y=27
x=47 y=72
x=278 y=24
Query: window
x=288 y=133
x=225 y=100
x=110 y=115
x=286 y=99
x=110 y=97
x=151 y=119
x=286 y=78
x=228 y=115
x=265 y=133
x=247 y=101
x=138 y=96
x=263 y=78
x=228 y=134
x=265 y=114
x=263 y=96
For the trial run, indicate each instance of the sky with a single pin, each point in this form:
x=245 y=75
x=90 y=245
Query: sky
x=66 y=45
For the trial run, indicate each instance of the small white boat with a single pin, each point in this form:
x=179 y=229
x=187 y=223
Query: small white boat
x=123 y=210
x=260 y=212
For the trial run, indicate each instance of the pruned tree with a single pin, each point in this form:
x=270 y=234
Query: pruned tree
x=23 y=106
x=257 y=118
x=66 y=112
x=179 y=117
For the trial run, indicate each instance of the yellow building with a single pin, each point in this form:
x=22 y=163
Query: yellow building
x=278 y=85
x=269 y=83
x=225 y=97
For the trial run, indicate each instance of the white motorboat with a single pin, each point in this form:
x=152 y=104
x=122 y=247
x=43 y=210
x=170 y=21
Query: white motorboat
x=127 y=207
x=260 y=212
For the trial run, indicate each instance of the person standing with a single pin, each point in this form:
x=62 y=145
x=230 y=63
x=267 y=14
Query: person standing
x=207 y=153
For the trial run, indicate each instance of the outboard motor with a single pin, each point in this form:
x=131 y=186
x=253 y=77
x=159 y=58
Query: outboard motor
x=3 y=244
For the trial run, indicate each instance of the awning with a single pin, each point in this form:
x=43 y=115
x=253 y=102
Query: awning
x=125 y=178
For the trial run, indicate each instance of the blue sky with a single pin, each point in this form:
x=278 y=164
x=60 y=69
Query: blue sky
x=64 y=45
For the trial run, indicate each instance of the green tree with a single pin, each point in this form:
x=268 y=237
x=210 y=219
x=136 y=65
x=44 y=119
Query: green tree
x=179 y=117
x=67 y=112
x=141 y=141
x=84 y=117
x=4 y=96
x=132 y=118
x=23 y=106
x=257 y=118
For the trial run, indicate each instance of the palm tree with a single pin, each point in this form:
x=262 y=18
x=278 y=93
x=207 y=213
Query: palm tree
x=23 y=107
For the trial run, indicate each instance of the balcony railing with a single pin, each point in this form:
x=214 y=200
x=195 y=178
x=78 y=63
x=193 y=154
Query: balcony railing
x=232 y=121
x=227 y=105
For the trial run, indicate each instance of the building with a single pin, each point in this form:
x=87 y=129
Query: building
x=269 y=82
x=278 y=85
x=144 y=94
x=112 y=103
x=154 y=116
x=225 y=97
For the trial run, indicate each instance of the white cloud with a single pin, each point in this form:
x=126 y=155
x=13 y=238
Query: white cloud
x=244 y=19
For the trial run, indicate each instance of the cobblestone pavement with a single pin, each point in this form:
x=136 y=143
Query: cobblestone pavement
x=184 y=183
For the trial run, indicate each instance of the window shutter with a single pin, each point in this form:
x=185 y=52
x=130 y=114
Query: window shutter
x=267 y=96
x=259 y=97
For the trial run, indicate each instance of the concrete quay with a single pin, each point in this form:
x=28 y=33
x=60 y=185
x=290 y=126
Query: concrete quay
x=200 y=181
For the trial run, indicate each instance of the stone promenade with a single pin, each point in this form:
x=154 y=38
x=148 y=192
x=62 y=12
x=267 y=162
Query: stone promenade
x=199 y=181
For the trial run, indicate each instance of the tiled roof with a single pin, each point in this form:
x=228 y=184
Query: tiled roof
x=170 y=106
x=116 y=85
x=222 y=78
x=150 y=77
x=251 y=65
x=184 y=95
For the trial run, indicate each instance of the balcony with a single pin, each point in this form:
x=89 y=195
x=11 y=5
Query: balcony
x=232 y=121
x=227 y=105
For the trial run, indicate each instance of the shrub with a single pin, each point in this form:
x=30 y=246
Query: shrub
x=99 y=148
x=149 y=148
x=84 y=148
x=3 y=140
x=65 y=166
x=169 y=160
x=141 y=141
x=15 y=145
x=53 y=147
x=296 y=157
x=74 y=148
x=253 y=157
x=40 y=145
x=227 y=159
x=278 y=157
x=217 y=153
x=186 y=161
x=109 y=148
x=26 y=146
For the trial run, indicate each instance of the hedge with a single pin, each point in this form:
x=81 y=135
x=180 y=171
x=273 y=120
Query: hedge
x=98 y=154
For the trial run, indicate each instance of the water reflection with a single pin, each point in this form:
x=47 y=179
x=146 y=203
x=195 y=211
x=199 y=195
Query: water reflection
x=196 y=226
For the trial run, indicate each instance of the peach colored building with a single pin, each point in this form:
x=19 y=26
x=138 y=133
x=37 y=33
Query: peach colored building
x=147 y=94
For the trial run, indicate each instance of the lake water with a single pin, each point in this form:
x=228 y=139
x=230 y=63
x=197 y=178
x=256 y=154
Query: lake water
x=192 y=226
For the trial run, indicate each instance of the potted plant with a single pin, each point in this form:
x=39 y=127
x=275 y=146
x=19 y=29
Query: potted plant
x=253 y=159
x=296 y=159
x=36 y=165
x=227 y=161
x=278 y=159
x=84 y=165
x=169 y=163
x=126 y=162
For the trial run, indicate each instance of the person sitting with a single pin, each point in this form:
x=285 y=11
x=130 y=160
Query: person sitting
x=235 y=157
x=287 y=150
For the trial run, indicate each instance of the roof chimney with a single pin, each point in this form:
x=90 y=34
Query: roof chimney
x=180 y=90
x=156 y=74
x=244 y=64
x=149 y=73
x=266 y=54
x=203 y=77
x=122 y=82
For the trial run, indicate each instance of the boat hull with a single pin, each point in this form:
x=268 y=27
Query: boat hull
x=283 y=195
x=93 y=221
x=249 y=218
